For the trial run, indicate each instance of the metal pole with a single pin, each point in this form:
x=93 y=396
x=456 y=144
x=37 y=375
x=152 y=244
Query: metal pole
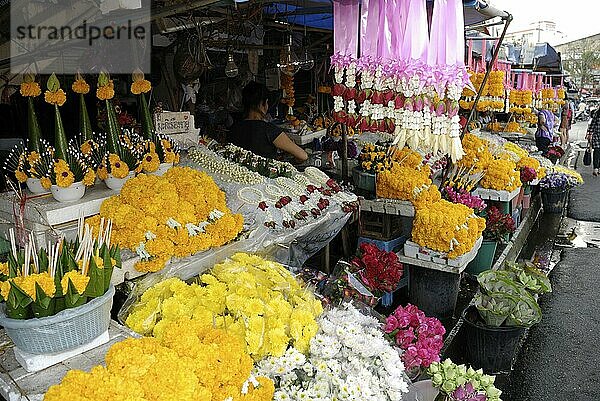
x=344 y=152
x=487 y=71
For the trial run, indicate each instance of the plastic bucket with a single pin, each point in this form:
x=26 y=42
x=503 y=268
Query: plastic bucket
x=434 y=292
x=484 y=259
x=489 y=348
x=68 y=329
x=364 y=181
x=553 y=200
x=421 y=391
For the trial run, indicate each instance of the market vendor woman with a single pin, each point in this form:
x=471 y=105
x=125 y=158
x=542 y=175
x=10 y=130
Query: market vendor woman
x=255 y=134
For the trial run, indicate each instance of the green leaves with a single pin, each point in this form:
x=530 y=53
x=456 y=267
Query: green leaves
x=43 y=305
x=95 y=287
x=74 y=298
x=34 y=132
x=103 y=78
x=60 y=137
x=53 y=83
x=17 y=303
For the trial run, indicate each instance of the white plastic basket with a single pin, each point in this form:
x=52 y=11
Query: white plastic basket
x=68 y=329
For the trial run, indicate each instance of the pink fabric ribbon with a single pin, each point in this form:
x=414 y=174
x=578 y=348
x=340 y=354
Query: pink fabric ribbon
x=416 y=36
x=369 y=27
x=345 y=27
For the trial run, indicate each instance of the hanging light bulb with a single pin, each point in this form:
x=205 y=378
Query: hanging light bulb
x=231 y=69
x=308 y=62
x=288 y=61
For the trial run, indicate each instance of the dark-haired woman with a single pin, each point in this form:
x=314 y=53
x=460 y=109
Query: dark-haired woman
x=255 y=134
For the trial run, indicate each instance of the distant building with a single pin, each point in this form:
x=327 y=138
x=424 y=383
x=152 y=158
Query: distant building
x=581 y=59
x=538 y=32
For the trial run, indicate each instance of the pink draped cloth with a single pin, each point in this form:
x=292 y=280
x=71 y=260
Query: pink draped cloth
x=345 y=27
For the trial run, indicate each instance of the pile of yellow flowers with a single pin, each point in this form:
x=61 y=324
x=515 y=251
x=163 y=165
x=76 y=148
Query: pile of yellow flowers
x=178 y=214
x=447 y=227
x=477 y=154
x=496 y=84
x=516 y=149
x=501 y=175
x=513 y=126
x=520 y=110
x=494 y=127
x=560 y=93
x=521 y=97
x=407 y=183
x=191 y=361
x=530 y=162
x=255 y=300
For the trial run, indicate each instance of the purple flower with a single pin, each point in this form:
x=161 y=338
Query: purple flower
x=467 y=393
x=555 y=180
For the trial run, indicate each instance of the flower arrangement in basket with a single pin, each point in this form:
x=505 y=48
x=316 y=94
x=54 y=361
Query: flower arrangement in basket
x=498 y=225
x=62 y=276
x=420 y=337
x=461 y=383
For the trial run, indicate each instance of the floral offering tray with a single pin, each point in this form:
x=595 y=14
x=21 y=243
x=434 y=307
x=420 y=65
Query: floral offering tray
x=415 y=251
x=492 y=194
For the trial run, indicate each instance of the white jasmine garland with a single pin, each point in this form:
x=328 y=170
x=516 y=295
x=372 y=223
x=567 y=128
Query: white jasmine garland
x=338 y=103
x=351 y=106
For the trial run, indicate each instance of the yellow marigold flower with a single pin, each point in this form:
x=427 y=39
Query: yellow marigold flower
x=86 y=147
x=80 y=86
x=30 y=89
x=150 y=162
x=61 y=165
x=58 y=97
x=45 y=182
x=102 y=172
x=171 y=157
x=20 y=176
x=33 y=157
x=4 y=268
x=27 y=284
x=5 y=289
x=141 y=86
x=65 y=179
x=79 y=281
x=106 y=92
x=90 y=178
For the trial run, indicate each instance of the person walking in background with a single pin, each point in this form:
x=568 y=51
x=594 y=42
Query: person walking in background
x=543 y=134
x=565 y=123
x=593 y=137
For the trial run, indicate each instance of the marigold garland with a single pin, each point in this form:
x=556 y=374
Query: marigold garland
x=58 y=97
x=501 y=175
x=178 y=214
x=30 y=89
x=258 y=301
x=140 y=86
x=80 y=86
x=106 y=92
x=447 y=227
x=477 y=154
x=407 y=183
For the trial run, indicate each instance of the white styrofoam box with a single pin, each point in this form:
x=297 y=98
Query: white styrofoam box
x=388 y=206
x=46 y=211
x=411 y=249
x=463 y=260
x=307 y=138
x=34 y=363
x=491 y=194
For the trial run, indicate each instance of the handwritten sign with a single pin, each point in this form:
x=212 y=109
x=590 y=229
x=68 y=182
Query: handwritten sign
x=179 y=125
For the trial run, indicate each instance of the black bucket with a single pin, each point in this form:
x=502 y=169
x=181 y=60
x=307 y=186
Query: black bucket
x=489 y=348
x=434 y=292
x=553 y=200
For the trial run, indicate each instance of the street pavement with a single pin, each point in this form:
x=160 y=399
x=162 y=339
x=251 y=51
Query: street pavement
x=560 y=358
x=585 y=201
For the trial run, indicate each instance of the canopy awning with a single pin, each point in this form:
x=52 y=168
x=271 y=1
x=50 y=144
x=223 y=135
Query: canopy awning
x=319 y=13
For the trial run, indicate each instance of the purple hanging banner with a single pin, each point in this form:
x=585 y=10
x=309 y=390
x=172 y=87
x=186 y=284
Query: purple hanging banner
x=369 y=27
x=345 y=27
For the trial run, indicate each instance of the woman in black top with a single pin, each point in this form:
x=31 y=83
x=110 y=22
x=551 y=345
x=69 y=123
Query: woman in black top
x=257 y=135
